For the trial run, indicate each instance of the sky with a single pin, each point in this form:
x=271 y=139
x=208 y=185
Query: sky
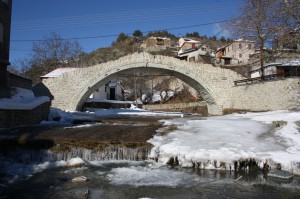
x=96 y=23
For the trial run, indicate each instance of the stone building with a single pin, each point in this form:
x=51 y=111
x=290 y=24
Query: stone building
x=157 y=44
x=5 y=23
x=237 y=52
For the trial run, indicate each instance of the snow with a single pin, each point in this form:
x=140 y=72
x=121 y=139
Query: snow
x=58 y=116
x=110 y=101
x=292 y=63
x=231 y=138
x=57 y=72
x=22 y=99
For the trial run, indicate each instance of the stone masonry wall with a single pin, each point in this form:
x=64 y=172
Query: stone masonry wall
x=268 y=95
x=214 y=84
x=71 y=89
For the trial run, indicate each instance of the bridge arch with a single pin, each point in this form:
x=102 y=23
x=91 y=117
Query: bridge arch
x=214 y=84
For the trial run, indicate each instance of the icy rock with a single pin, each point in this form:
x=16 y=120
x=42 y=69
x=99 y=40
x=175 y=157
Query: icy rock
x=279 y=174
x=76 y=162
x=79 y=179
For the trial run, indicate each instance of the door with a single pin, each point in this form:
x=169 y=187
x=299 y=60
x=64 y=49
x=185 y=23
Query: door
x=112 y=94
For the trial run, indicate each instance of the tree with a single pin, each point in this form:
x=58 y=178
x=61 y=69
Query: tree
x=222 y=39
x=137 y=33
x=122 y=38
x=162 y=34
x=263 y=21
x=194 y=34
x=48 y=54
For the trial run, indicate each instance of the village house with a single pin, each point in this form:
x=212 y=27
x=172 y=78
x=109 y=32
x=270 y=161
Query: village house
x=285 y=69
x=157 y=43
x=110 y=91
x=191 y=50
x=237 y=52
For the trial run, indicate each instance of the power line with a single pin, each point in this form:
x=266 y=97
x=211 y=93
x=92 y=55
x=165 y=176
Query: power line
x=121 y=16
x=115 y=35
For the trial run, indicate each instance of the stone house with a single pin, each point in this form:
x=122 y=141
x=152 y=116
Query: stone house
x=237 y=52
x=157 y=44
x=191 y=50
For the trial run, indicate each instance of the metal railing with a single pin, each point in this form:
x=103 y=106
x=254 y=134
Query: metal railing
x=257 y=79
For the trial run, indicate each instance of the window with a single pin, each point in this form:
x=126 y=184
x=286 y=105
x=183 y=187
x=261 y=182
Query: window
x=240 y=55
x=228 y=49
x=5 y=1
x=240 y=46
x=249 y=46
x=1 y=34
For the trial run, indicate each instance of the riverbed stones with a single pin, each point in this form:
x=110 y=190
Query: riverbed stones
x=80 y=179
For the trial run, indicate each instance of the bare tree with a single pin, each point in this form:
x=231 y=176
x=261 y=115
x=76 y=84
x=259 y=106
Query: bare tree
x=48 y=54
x=257 y=22
x=263 y=21
x=288 y=18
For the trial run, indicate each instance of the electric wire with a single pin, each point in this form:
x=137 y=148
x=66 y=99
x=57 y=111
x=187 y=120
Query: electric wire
x=112 y=18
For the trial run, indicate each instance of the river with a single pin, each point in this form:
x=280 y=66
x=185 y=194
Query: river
x=121 y=179
x=38 y=173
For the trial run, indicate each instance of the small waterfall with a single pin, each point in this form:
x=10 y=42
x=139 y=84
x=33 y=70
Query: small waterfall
x=109 y=152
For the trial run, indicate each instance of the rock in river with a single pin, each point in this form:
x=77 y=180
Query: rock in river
x=79 y=179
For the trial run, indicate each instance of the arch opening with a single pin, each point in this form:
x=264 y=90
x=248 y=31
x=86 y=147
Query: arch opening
x=98 y=82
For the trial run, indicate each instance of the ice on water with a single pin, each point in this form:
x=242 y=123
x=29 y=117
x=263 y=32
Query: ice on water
x=231 y=138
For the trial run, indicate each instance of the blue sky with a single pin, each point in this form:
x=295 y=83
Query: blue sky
x=35 y=19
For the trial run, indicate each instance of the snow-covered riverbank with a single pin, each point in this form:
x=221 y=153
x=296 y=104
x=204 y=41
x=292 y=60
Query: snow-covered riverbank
x=217 y=142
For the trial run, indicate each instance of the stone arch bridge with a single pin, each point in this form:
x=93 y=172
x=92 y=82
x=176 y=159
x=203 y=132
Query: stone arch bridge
x=214 y=84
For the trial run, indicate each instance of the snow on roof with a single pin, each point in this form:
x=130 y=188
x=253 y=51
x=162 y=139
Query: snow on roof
x=243 y=40
x=113 y=84
x=288 y=63
x=292 y=63
x=57 y=72
x=23 y=99
x=163 y=38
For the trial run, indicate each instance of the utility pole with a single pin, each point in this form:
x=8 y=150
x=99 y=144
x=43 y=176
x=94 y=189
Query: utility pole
x=135 y=90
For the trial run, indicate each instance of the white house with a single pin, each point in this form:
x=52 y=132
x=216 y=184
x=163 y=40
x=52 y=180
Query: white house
x=191 y=50
x=109 y=91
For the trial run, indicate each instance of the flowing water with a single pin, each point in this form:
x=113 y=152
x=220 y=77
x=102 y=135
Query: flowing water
x=133 y=179
x=115 y=172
